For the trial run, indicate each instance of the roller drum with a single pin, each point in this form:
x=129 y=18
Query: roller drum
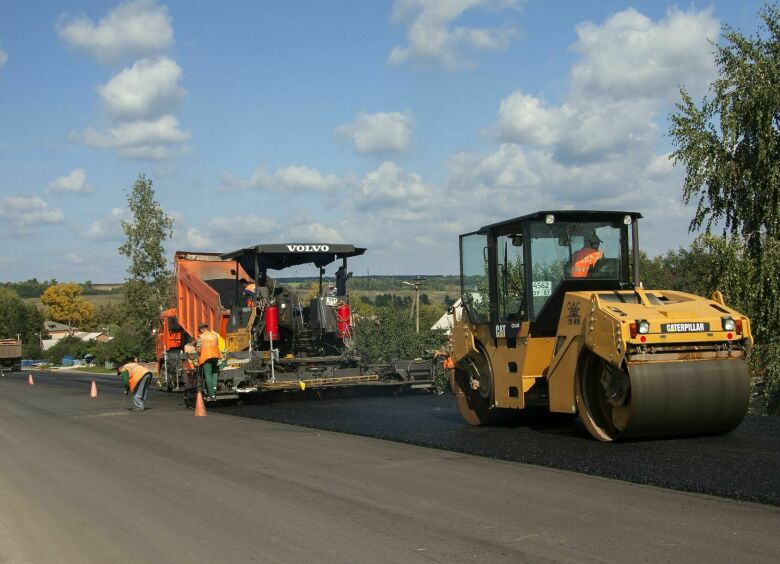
x=662 y=399
x=687 y=398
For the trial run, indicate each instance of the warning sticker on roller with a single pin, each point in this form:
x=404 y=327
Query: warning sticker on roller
x=693 y=327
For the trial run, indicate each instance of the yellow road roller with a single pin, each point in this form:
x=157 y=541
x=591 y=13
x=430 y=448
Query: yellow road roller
x=552 y=314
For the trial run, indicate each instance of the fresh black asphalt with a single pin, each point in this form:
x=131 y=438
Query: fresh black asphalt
x=744 y=464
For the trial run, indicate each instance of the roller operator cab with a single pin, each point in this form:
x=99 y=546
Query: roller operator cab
x=553 y=315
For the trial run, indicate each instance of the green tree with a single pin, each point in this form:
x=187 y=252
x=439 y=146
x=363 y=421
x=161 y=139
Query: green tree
x=149 y=282
x=730 y=148
x=18 y=318
x=391 y=334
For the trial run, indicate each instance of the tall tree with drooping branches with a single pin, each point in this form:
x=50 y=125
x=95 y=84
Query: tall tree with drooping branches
x=729 y=145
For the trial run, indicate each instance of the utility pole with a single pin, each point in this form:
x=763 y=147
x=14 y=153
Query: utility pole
x=417 y=284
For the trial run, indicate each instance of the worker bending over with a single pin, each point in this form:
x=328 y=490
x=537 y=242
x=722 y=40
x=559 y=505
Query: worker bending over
x=136 y=379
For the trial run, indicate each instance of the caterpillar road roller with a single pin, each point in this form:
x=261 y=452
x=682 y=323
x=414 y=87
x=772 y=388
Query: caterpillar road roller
x=553 y=315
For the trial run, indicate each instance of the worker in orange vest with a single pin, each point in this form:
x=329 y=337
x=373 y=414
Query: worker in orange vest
x=586 y=258
x=208 y=358
x=136 y=379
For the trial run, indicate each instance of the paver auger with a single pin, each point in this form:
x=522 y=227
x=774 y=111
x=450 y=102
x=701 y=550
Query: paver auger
x=553 y=314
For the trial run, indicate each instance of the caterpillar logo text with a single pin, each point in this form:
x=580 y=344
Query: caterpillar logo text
x=684 y=327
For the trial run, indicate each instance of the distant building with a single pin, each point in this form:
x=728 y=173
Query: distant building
x=446 y=321
x=57 y=331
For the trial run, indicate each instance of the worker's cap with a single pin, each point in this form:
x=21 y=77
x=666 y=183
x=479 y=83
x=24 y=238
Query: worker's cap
x=203 y=326
x=593 y=238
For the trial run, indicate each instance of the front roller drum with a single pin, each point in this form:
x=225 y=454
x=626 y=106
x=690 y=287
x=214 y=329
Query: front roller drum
x=662 y=399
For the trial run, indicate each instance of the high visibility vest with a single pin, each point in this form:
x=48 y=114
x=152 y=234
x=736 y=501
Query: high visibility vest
x=135 y=372
x=449 y=364
x=209 y=346
x=583 y=260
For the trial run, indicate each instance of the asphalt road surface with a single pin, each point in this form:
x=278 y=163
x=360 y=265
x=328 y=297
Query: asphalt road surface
x=744 y=464
x=82 y=480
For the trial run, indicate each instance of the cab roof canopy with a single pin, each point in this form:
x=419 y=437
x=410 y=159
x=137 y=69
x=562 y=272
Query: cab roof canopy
x=285 y=255
x=562 y=215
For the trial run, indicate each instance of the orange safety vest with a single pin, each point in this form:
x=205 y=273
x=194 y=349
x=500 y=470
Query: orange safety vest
x=135 y=372
x=209 y=346
x=449 y=364
x=583 y=260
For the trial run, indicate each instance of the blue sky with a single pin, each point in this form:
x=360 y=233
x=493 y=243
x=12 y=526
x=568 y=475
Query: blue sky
x=391 y=125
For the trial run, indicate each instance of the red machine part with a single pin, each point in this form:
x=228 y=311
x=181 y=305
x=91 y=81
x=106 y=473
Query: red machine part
x=343 y=314
x=271 y=330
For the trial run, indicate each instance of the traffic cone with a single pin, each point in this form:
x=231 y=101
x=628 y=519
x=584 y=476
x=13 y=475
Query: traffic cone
x=93 y=391
x=200 y=408
x=30 y=380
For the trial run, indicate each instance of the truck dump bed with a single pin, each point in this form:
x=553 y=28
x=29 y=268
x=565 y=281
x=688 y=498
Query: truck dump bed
x=206 y=288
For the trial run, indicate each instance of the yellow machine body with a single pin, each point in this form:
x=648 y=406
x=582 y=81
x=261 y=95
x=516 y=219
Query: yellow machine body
x=631 y=362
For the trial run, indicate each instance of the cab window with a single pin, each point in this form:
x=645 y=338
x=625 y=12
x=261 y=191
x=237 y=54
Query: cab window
x=511 y=283
x=474 y=275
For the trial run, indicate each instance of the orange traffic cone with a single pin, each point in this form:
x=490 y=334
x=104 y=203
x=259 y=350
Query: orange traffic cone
x=93 y=391
x=30 y=380
x=200 y=408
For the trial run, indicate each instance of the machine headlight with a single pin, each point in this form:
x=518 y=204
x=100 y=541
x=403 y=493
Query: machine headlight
x=728 y=324
x=642 y=326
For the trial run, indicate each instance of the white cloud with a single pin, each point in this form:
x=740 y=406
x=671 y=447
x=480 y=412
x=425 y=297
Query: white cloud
x=632 y=56
x=75 y=182
x=525 y=119
x=259 y=181
x=389 y=186
x=291 y=178
x=434 y=40
x=379 y=133
x=247 y=226
x=144 y=139
x=148 y=89
x=26 y=213
x=196 y=240
x=599 y=148
x=74 y=258
x=305 y=178
x=3 y=58
x=314 y=232
x=223 y=233
x=109 y=227
x=630 y=69
x=138 y=27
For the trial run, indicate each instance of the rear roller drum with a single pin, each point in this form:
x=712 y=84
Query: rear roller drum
x=472 y=384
